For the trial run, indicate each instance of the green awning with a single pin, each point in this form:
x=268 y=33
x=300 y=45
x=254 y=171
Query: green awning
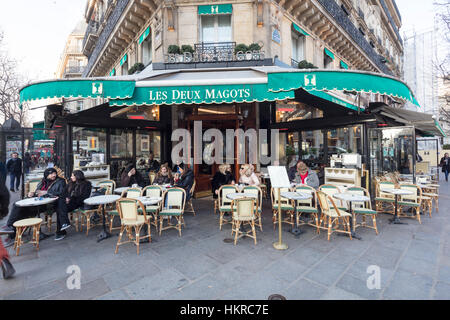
x=216 y=9
x=123 y=60
x=439 y=128
x=299 y=30
x=335 y=100
x=39 y=134
x=344 y=65
x=112 y=73
x=340 y=80
x=113 y=89
x=234 y=93
x=329 y=53
x=144 y=35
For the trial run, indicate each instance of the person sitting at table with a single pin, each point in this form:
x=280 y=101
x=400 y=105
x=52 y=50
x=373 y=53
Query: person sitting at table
x=131 y=176
x=184 y=179
x=50 y=186
x=164 y=176
x=153 y=165
x=222 y=177
x=78 y=189
x=305 y=175
x=248 y=176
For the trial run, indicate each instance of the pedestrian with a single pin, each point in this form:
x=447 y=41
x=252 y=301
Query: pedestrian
x=50 y=186
x=445 y=164
x=14 y=167
x=27 y=163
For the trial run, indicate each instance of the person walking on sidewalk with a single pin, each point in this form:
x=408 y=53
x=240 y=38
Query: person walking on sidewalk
x=445 y=164
x=14 y=168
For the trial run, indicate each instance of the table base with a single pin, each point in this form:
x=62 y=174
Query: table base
x=103 y=235
x=280 y=246
x=396 y=220
x=296 y=232
x=354 y=235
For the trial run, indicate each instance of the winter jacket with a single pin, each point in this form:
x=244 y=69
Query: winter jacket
x=186 y=181
x=56 y=188
x=219 y=180
x=14 y=166
x=78 y=192
x=445 y=167
x=160 y=179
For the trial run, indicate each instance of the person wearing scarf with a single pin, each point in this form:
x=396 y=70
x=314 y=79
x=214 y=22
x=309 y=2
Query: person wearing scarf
x=50 y=186
x=131 y=176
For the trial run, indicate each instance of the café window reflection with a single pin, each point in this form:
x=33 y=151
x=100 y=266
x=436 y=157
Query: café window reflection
x=345 y=140
x=293 y=111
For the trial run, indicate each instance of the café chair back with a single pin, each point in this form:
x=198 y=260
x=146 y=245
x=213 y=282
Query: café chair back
x=413 y=201
x=243 y=212
x=131 y=220
x=109 y=185
x=174 y=201
x=308 y=206
x=191 y=196
x=384 y=201
x=331 y=190
x=287 y=206
x=225 y=203
x=258 y=207
x=154 y=192
x=337 y=220
x=363 y=209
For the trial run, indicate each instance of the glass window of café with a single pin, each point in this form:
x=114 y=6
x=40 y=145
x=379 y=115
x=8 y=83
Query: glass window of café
x=287 y=111
x=312 y=148
x=89 y=146
x=147 y=142
x=215 y=28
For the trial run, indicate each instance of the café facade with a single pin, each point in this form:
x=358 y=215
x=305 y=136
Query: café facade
x=319 y=115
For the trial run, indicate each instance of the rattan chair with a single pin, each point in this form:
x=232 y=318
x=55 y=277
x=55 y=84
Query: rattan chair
x=287 y=206
x=225 y=203
x=413 y=201
x=130 y=219
x=384 y=200
x=21 y=226
x=334 y=215
x=258 y=207
x=364 y=209
x=308 y=206
x=130 y=193
x=174 y=201
x=330 y=190
x=191 y=196
x=156 y=192
x=243 y=212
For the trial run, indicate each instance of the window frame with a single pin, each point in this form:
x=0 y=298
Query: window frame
x=216 y=27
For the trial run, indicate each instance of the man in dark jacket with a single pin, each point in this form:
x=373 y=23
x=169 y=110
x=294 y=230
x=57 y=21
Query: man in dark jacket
x=14 y=167
x=50 y=186
x=185 y=179
x=445 y=164
x=131 y=176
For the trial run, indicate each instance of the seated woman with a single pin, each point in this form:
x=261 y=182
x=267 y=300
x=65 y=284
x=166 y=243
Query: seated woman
x=305 y=175
x=222 y=177
x=164 y=176
x=248 y=176
x=184 y=179
x=78 y=190
x=131 y=176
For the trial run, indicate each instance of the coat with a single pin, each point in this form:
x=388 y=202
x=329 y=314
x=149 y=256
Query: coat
x=445 y=167
x=186 y=181
x=312 y=179
x=14 y=166
x=126 y=181
x=160 y=179
x=56 y=189
x=219 y=180
x=78 y=192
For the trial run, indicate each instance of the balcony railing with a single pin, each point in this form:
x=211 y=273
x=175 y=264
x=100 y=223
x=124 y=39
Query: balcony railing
x=215 y=51
x=294 y=63
x=92 y=28
x=74 y=70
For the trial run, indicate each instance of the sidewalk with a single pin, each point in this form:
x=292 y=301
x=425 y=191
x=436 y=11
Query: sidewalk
x=413 y=259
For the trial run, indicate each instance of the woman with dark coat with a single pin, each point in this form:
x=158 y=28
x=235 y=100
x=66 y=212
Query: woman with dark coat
x=185 y=179
x=78 y=190
x=164 y=176
x=445 y=164
x=131 y=176
x=222 y=177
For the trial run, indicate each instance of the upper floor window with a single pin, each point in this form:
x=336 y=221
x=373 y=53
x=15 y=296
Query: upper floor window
x=124 y=65
x=145 y=41
x=328 y=59
x=298 y=43
x=216 y=28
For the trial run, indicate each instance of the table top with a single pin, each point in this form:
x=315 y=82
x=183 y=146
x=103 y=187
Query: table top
x=148 y=201
x=122 y=189
x=33 y=202
x=101 y=199
x=234 y=196
x=397 y=191
x=351 y=197
x=296 y=195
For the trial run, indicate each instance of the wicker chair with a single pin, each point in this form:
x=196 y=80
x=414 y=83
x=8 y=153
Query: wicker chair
x=130 y=193
x=131 y=219
x=330 y=190
x=336 y=217
x=156 y=192
x=244 y=211
x=364 y=209
x=413 y=201
x=225 y=203
x=286 y=206
x=258 y=208
x=384 y=200
x=174 y=201
x=307 y=206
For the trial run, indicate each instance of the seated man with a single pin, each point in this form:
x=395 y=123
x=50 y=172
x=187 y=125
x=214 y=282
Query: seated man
x=50 y=186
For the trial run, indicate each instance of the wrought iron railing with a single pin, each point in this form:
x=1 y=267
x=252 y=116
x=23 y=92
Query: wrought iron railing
x=294 y=63
x=214 y=51
x=92 y=28
x=74 y=70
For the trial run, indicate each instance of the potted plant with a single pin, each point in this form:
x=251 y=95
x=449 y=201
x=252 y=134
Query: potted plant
x=137 y=67
x=306 y=65
x=187 y=48
x=240 y=48
x=173 y=49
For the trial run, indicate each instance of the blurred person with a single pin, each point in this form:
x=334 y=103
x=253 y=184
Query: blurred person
x=184 y=179
x=78 y=190
x=248 y=176
x=222 y=177
x=14 y=168
x=164 y=176
x=131 y=176
x=445 y=164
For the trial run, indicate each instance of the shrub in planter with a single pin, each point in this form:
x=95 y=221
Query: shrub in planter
x=187 y=48
x=174 y=49
x=136 y=67
x=254 y=47
x=240 y=47
x=306 y=65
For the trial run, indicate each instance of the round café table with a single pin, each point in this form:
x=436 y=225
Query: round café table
x=240 y=195
x=149 y=201
x=397 y=192
x=36 y=202
x=102 y=200
x=122 y=189
x=350 y=197
x=296 y=196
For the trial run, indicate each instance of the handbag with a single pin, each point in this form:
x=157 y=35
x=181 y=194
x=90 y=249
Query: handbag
x=7 y=269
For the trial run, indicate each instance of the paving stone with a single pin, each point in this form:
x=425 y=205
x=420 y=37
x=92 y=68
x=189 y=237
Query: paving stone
x=339 y=294
x=408 y=286
x=286 y=269
x=326 y=272
x=442 y=291
x=359 y=287
x=114 y=295
x=207 y=288
x=39 y=292
x=155 y=286
x=124 y=276
x=304 y=290
x=196 y=266
x=381 y=256
x=360 y=270
x=419 y=266
x=86 y=292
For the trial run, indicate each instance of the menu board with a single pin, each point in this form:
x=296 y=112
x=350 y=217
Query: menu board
x=278 y=177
